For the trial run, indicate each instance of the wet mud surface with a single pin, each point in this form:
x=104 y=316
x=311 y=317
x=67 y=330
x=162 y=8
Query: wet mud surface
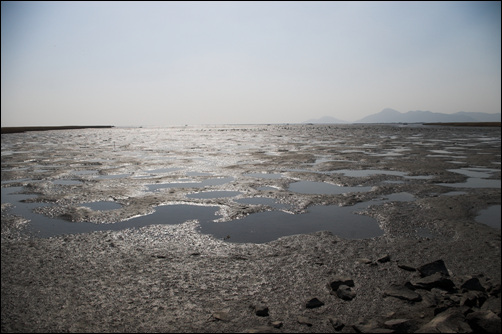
x=186 y=229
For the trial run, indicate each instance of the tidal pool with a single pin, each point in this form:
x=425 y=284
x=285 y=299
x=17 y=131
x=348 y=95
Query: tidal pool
x=368 y=172
x=490 y=216
x=112 y=176
x=103 y=205
x=477 y=178
x=264 y=201
x=67 y=182
x=190 y=184
x=163 y=170
x=322 y=188
x=214 y=194
x=256 y=228
x=264 y=175
x=262 y=227
x=267 y=226
x=45 y=227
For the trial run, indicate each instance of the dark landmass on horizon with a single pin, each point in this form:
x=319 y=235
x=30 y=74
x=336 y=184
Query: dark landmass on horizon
x=494 y=124
x=17 y=129
x=389 y=115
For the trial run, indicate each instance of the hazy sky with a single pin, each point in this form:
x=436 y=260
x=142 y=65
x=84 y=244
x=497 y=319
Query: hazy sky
x=170 y=63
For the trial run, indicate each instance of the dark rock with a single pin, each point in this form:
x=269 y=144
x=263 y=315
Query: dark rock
x=158 y=256
x=341 y=281
x=370 y=326
x=432 y=268
x=449 y=321
x=364 y=260
x=337 y=324
x=484 y=321
x=473 y=299
x=494 y=290
x=345 y=292
x=436 y=280
x=407 y=268
x=221 y=315
x=261 y=310
x=492 y=304
x=314 y=302
x=456 y=298
x=473 y=284
x=400 y=325
x=384 y=259
x=276 y=324
x=402 y=292
x=445 y=304
x=430 y=299
x=304 y=321
x=260 y=329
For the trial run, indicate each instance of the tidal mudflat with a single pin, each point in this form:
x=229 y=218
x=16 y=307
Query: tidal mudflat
x=239 y=228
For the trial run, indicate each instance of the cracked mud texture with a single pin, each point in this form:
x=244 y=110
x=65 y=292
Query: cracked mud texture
x=172 y=278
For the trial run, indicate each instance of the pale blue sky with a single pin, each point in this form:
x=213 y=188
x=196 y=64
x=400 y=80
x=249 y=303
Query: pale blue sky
x=170 y=63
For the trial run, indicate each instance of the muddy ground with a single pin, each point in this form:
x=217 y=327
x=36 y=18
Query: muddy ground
x=171 y=278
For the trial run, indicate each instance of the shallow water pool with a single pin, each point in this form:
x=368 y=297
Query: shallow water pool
x=103 y=205
x=264 y=201
x=322 y=188
x=267 y=226
x=45 y=227
x=477 y=178
x=214 y=194
x=490 y=216
x=191 y=184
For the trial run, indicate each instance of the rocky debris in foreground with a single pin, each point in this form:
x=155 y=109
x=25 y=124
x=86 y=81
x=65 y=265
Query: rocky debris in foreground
x=313 y=303
x=261 y=310
x=470 y=308
x=400 y=300
x=341 y=287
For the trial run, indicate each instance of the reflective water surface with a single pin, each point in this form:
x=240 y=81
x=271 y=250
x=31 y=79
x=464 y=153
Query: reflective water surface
x=261 y=173
x=477 y=178
x=311 y=187
x=267 y=226
x=490 y=216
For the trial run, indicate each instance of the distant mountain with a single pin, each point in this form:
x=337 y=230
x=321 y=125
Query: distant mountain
x=325 y=120
x=393 y=116
x=481 y=117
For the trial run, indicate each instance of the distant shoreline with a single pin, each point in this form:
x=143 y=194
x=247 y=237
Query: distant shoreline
x=17 y=129
x=494 y=124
